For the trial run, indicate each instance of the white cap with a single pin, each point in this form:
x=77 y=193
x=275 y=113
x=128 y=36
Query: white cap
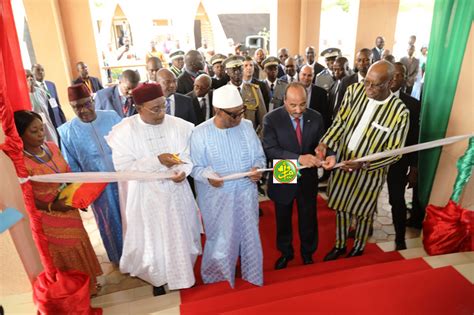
x=227 y=97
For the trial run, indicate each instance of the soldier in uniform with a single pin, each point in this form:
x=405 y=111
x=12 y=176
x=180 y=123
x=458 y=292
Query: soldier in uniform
x=325 y=78
x=220 y=78
x=251 y=95
x=177 y=62
x=275 y=87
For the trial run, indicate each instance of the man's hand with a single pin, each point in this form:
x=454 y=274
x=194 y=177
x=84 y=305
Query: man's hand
x=350 y=166
x=216 y=182
x=412 y=177
x=329 y=162
x=309 y=160
x=256 y=176
x=178 y=177
x=168 y=160
x=320 y=151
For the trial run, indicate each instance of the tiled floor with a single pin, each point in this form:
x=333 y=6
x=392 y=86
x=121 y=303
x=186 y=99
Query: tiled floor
x=132 y=289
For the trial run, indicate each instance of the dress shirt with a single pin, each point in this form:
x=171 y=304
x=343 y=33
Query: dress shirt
x=365 y=121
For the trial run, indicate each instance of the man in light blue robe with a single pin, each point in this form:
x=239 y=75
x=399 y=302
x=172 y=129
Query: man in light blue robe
x=224 y=145
x=85 y=149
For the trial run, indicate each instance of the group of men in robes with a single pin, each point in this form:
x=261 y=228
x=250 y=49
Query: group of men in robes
x=162 y=226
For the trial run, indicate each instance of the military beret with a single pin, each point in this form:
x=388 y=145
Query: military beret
x=217 y=58
x=176 y=54
x=331 y=52
x=270 y=61
x=233 y=61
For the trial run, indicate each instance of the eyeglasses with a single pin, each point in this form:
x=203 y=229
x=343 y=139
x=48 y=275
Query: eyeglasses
x=235 y=115
x=369 y=84
x=89 y=105
x=156 y=112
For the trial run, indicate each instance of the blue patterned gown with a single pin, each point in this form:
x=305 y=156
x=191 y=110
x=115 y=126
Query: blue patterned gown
x=230 y=212
x=84 y=148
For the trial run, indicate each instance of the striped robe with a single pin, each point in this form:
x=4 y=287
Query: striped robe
x=357 y=192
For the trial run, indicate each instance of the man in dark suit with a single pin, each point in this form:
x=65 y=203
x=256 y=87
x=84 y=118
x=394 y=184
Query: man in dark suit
x=283 y=56
x=202 y=98
x=177 y=104
x=194 y=64
x=339 y=71
x=292 y=132
x=310 y=60
x=220 y=78
x=397 y=177
x=119 y=97
x=377 y=51
x=317 y=98
x=55 y=111
x=362 y=63
x=92 y=83
x=291 y=74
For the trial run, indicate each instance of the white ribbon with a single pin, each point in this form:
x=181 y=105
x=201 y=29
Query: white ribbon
x=410 y=149
x=109 y=177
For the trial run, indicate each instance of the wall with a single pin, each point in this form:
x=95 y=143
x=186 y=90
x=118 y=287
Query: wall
x=48 y=39
x=79 y=35
x=376 y=18
x=289 y=25
x=460 y=122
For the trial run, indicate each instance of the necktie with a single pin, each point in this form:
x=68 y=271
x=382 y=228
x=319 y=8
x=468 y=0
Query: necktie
x=45 y=88
x=272 y=89
x=238 y=88
x=168 y=106
x=204 y=108
x=299 y=135
x=126 y=107
x=291 y=79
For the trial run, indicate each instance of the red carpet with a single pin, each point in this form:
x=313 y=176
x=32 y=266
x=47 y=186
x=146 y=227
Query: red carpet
x=435 y=291
x=367 y=280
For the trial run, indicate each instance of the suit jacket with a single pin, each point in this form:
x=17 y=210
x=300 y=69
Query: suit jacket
x=375 y=55
x=317 y=69
x=346 y=81
x=183 y=108
x=56 y=112
x=332 y=98
x=263 y=90
x=96 y=85
x=278 y=93
x=216 y=83
x=281 y=71
x=109 y=99
x=287 y=79
x=280 y=142
x=200 y=118
x=414 y=106
x=319 y=102
x=185 y=82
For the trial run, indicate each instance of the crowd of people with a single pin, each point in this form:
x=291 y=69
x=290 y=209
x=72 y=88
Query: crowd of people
x=199 y=120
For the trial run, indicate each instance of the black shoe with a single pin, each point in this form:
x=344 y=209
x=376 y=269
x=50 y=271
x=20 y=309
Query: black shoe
x=400 y=245
x=307 y=260
x=335 y=253
x=354 y=253
x=282 y=262
x=159 y=290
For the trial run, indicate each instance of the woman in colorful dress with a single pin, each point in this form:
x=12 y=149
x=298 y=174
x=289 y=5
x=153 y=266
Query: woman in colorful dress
x=69 y=244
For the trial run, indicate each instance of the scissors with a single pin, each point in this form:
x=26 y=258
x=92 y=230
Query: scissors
x=177 y=159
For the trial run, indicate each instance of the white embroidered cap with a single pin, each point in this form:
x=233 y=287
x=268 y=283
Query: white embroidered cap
x=227 y=97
